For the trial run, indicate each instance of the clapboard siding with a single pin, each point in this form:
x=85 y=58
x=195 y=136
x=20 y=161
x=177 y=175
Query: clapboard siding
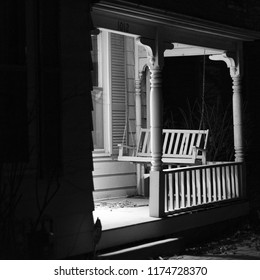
x=113 y=179
x=112 y=182
x=112 y=168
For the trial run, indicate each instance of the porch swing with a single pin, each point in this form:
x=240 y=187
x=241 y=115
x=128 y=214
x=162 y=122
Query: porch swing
x=180 y=147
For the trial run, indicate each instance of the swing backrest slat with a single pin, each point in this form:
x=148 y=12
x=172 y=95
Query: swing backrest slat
x=177 y=144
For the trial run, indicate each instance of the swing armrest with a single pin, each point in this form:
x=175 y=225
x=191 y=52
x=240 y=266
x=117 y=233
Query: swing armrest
x=203 y=153
x=121 y=149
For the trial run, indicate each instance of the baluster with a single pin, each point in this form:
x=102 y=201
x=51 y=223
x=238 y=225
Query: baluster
x=209 y=184
x=223 y=176
x=219 y=183
x=214 y=181
x=182 y=181
x=204 y=192
x=228 y=181
x=237 y=186
x=188 y=183
x=232 y=168
x=198 y=180
x=194 y=194
x=177 y=198
x=171 y=205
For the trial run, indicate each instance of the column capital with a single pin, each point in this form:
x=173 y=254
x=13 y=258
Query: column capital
x=155 y=49
x=232 y=61
x=149 y=45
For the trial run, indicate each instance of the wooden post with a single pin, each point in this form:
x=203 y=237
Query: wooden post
x=155 y=48
x=233 y=62
x=138 y=124
x=237 y=119
x=157 y=187
x=156 y=109
x=138 y=105
x=157 y=194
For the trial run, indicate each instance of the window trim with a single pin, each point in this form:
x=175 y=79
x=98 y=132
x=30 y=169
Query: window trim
x=104 y=82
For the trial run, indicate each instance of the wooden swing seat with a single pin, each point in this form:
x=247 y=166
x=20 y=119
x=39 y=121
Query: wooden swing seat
x=180 y=147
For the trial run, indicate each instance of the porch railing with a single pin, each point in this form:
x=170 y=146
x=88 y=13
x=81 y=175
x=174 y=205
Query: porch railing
x=190 y=187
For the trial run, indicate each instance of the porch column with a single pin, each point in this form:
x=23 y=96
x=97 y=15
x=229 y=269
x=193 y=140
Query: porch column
x=232 y=61
x=138 y=104
x=155 y=51
x=138 y=116
x=237 y=118
x=157 y=188
x=155 y=60
x=156 y=110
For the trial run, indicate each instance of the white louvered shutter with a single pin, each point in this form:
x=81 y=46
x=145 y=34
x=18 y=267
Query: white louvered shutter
x=118 y=87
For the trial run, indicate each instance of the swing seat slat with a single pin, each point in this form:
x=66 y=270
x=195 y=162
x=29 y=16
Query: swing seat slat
x=180 y=147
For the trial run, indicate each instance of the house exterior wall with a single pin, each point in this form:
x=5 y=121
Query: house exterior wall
x=76 y=222
x=112 y=178
x=50 y=191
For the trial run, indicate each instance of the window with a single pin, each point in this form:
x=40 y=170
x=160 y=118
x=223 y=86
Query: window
x=97 y=94
x=110 y=56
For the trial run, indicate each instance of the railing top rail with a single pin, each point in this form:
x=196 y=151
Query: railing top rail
x=200 y=131
x=199 y=167
x=186 y=130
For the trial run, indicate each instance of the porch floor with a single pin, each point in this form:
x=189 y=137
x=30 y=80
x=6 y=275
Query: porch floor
x=127 y=221
x=122 y=212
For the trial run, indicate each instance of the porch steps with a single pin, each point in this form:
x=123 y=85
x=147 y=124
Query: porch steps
x=148 y=250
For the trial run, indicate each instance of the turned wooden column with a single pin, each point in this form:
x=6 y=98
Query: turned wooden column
x=138 y=124
x=237 y=118
x=156 y=109
x=138 y=105
x=155 y=48
x=232 y=60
